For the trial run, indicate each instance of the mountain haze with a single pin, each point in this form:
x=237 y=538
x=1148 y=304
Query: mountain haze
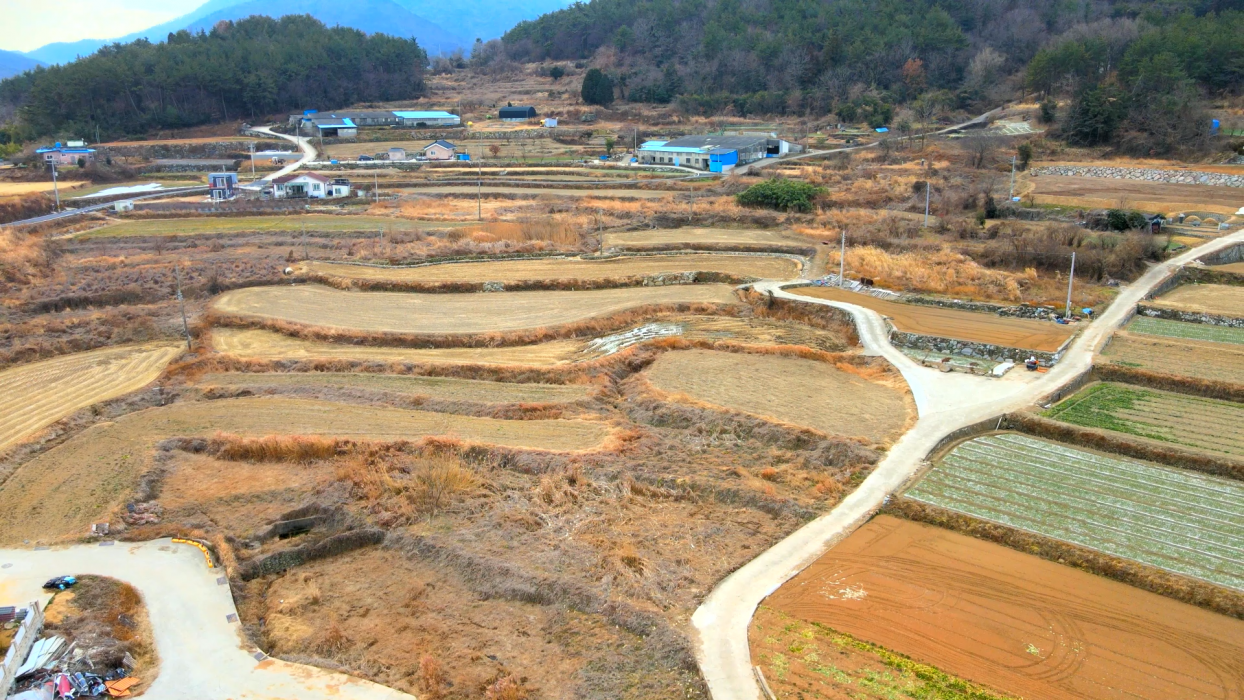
x=12 y=63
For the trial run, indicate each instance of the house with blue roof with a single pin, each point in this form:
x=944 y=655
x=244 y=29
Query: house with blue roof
x=364 y=119
x=73 y=154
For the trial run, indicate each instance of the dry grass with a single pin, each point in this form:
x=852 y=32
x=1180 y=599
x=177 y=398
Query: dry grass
x=408 y=487
x=447 y=388
x=940 y=272
x=264 y=344
x=832 y=399
x=1205 y=299
x=274 y=448
x=1193 y=358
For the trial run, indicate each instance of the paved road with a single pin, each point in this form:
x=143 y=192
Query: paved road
x=303 y=143
x=202 y=654
x=945 y=402
x=96 y=207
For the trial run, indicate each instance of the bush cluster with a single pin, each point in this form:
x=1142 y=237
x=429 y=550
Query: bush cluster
x=781 y=194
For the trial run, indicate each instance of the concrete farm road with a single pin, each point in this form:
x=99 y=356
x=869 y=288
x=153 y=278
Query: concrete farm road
x=945 y=403
x=303 y=143
x=203 y=655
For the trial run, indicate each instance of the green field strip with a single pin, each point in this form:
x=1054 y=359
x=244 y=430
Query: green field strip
x=1185 y=330
x=1180 y=521
x=1192 y=421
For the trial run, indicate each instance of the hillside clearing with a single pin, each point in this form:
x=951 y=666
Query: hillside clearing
x=807 y=393
x=758 y=266
x=398 y=312
x=33 y=396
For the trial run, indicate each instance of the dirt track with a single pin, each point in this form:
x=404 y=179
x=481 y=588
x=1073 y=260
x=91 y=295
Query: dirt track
x=62 y=491
x=1222 y=299
x=1013 y=621
x=33 y=396
x=1136 y=194
x=808 y=393
x=759 y=266
x=951 y=323
x=452 y=313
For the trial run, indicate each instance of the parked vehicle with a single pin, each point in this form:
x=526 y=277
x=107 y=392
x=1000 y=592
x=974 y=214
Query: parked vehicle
x=60 y=583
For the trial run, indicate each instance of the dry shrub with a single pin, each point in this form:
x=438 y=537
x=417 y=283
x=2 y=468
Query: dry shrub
x=275 y=448
x=939 y=272
x=550 y=230
x=769 y=474
x=331 y=640
x=23 y=257
x=431 y=675
x=402 y=488
x=506 y=688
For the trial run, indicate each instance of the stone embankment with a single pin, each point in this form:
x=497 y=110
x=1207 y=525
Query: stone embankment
x=1182 y=177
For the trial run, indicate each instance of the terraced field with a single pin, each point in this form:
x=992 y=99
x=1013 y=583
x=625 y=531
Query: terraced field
x=758 y=266
x=1187 y=331
x=808 y=393
x=267 y=345
x=975 y=327
x=1220 y=299
x=62 y=491
x=705 y=235
x=435 y=387
x=1172 y=519
x=35 y=395
x=260 y=224
x=541 y=191
x=1191 y=358
x=1185 y=420
x=401 y=312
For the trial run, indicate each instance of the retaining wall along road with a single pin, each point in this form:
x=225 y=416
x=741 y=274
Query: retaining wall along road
x=1182 y=177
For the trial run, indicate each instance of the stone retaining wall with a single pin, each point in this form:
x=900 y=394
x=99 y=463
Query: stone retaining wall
x=964 y=348
x=1020 y=311
x=1190 y=316
x=1183 y=177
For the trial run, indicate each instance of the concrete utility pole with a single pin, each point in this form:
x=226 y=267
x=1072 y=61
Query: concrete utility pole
x=185 y=326
x=252 y=147
x=927 y=186
x=55 y=188
x=1012 y=196
x=479 y=190
x=842 y=260
x=1070 y=280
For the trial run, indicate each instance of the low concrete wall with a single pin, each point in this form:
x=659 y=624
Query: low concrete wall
x=27 y=634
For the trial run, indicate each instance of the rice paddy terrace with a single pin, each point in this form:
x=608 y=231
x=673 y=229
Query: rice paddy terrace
x=1172 y=519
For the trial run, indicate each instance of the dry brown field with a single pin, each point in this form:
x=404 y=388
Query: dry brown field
x=951 y=323
x=808 y=393
x=436 y=387
x=400 y=312
x=8 y=189
x=539 y=191
x=1159 y=197
x=1202 y=359
x=33 y=396
x=1013 y=621
x=1236 y=268
x=758 y=266
x=1221 y=299
x=267 y=345
x=725 y=236
x=62 y=491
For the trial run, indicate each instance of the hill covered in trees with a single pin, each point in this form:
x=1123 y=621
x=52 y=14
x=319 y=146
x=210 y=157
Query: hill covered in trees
x=242 y=69
x=860 y=58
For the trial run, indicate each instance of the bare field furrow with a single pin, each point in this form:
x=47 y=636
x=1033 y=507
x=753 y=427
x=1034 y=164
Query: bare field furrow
x=34 y=396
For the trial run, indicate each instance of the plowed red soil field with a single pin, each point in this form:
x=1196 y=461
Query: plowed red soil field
x=1013 y=621
x=951 y=323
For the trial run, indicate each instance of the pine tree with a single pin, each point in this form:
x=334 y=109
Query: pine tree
x=597 y=88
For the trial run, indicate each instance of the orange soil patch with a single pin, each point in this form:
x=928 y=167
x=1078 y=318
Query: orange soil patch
x=1136 y=194
x=760 y=266
x=1223 y=299
x=1013 y=621
x=951 y=323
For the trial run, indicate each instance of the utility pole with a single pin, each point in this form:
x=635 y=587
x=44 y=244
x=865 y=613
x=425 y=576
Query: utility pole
x=252 y=147
x=842 y=260
x=375 y=185
x=1012 y=196
x=479 y=190
x=185 y=326
x=55 y=188
x=1070 y=280
x=927 y=186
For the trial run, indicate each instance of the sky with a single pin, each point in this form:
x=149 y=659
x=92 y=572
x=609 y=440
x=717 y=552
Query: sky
x=29 y=24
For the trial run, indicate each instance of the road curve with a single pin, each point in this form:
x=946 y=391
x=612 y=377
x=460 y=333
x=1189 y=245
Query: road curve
x=303 y=143
x=945 y=403
x=202 y=652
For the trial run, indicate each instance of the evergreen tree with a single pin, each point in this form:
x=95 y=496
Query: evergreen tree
x=597 y=88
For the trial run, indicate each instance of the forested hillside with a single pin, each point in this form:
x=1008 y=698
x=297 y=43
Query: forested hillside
x=242 y=69
x=815 y=56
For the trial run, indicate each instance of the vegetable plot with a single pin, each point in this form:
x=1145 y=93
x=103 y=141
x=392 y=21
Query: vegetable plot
x=1180 y=521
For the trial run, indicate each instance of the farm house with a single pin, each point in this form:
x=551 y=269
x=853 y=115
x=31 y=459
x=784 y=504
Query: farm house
x=439 y=150
x=309 y=186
